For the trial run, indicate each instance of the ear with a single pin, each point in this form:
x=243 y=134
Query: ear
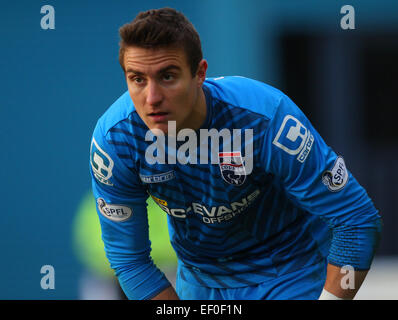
x=201 y=73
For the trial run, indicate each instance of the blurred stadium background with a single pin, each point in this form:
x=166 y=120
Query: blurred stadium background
x=56 y=83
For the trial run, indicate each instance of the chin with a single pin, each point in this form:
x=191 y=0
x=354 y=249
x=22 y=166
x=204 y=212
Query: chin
x=164 y=128
x=158 y=130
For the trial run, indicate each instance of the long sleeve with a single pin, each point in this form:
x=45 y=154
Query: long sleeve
x=121 y=207
x=317 y=180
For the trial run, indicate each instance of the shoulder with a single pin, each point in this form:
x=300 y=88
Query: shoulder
x=120 y=110
x=109 y=149
x=246 y=93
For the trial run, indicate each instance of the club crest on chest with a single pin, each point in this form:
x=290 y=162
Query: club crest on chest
x=232 y=167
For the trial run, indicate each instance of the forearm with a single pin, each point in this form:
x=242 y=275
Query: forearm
x=350 y=257
x=167 y=294
x=342 y=282
x=351 y=253
x=141 y=282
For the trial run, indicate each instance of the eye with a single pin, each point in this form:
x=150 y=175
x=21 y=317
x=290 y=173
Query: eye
x=168 y=77
x=136 y=79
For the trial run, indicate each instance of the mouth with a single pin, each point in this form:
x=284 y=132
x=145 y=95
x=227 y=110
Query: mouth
x=158 y=116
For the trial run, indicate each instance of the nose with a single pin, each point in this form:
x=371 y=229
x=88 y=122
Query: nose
x=154 y=94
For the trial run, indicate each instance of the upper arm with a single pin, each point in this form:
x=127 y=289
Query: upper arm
x=313 y=175
x=121 y=207
x=121 y=203
x=317 y=180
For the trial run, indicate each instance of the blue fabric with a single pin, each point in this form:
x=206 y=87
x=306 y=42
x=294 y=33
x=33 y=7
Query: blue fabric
x=303 y=284
x=298 y=203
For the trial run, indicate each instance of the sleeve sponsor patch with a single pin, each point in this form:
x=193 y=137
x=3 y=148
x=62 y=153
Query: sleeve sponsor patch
x=336 y=178
x=294 y=138
x=101 y=163
x=114 y=212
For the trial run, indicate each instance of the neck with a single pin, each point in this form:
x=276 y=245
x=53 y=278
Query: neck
x=199 y=112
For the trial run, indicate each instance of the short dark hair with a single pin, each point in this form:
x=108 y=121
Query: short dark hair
x=159 y=28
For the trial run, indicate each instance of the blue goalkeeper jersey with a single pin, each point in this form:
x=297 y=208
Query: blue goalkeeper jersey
x=274 y=200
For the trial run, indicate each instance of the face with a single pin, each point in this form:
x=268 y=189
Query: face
x=162 y=88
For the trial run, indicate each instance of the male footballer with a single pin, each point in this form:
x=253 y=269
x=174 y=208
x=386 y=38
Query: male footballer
x=268 y=211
